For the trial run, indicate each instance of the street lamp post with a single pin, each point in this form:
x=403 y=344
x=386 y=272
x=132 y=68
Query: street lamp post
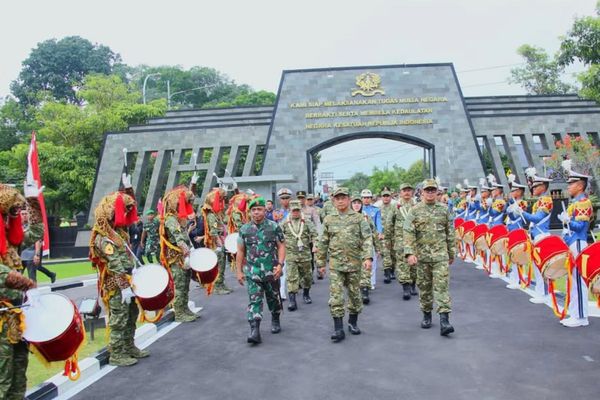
x=170 y=95
x=144 y=85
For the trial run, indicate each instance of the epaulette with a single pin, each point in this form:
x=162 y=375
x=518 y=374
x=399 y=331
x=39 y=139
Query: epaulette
x=581 y=210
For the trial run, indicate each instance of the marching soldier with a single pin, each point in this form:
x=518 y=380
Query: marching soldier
x=300 y=234
x=576 y=221
x=515 y=221
x=236 y=213
x=365 y=279
x=498 y=208
x=347 y=242
x=389 y=257
x=429 y=247
x=375 y=214
x=259 y=259
x=407 y=276
x=285 y=196
x=309 y=211
x=151 y=237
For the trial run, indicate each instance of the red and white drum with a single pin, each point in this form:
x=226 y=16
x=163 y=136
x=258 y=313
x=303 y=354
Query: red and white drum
x=467 y=231
x=53 y=325
x=479 y=237
x=519 y=246
x=588 y=264
x=497 y=238
x=551 y=255
x=231 y=242
x=153 y=287
x=203 y=262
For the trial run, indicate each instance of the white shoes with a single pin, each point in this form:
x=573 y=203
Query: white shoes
x=494 y=275
x=478 y=266
x=572 y=322
x=513 y=286
x=538 y=300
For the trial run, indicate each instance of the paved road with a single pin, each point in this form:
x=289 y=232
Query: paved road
x=504 y=347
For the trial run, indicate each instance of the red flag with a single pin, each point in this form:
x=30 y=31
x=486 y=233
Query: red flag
x=33 y=173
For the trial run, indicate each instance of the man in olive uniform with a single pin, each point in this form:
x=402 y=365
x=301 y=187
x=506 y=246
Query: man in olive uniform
x=407 y=276
x=429 y=247
x=259 y=260
x=300 y=234
x=347 y=242
x=150 y=237
x=389 y=257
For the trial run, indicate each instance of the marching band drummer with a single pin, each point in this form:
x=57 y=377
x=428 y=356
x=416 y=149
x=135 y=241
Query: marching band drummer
x=484 y=204
x=214 y=231
x=175 y=244
x=576 y=220
x=515 y=221
x=498 y=207
x=108 y=253
x=460 y=209
x=539 y=225
x=473 y=200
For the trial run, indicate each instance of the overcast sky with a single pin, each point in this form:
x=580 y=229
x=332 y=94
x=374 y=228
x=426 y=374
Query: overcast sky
x=253 y=41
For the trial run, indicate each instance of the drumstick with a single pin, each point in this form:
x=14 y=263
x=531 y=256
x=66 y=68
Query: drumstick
x=3 y=309
x=139 y=264
x=125 y=159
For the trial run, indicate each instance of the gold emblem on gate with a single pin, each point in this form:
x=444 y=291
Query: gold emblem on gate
x=369 y=84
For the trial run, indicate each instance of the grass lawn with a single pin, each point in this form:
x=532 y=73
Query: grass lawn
x=38 y=373
x=67 y=270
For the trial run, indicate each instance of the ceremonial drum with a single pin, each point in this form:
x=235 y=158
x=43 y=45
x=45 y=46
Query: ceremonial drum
x=479 y=237
x=203 y=262
x=53 y=325
x=231 y=242
x=153 y=286
x=467 y=231
x=518 y=246
x=588 y=264
x=551 y=254
x=498 y=239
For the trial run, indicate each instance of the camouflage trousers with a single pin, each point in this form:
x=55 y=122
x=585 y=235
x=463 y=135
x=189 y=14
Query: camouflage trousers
x=121 y=322
x=433 y=279
x=256 y=292
x=404 y=272
x=389 y=257
x=220 y=282
x=365 y=278
x=181 y=278
x=13 y=365
x=298 y=273
x=351 y=281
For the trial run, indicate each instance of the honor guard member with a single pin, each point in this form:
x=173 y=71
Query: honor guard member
x=365 y=279
x=176 y=245
x=406 y=275
x=387 y=215
x=259 y=259
x=300 y=234
x=285 y=196
x=375 y=214
x=460 y=208
x=429 y=247
x=485 y=203
x=497 y=210
x=110 y=256
x=347 y=242
x=576 y=224
x=151 y=237
x=539 y=225
x=515 y=221
x=214 y=233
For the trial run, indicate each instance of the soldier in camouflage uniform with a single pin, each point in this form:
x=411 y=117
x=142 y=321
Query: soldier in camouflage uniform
x=14 y=352
x=299 y=233
x=389 y=256
x=347 y=241
x=365 y=278
x=429 y=247
x=214 y=232
x=260 y=258
x=407 y=276
x=109 y=254
x=151 y=237
x=176 y=245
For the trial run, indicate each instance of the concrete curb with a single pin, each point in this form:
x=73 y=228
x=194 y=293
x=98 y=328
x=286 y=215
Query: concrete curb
x=59 y=385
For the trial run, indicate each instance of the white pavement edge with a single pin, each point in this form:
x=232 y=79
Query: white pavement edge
x=90 y=368
x=593 y=310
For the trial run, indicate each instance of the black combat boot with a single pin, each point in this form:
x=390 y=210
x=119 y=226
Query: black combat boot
x=275 y=324
x=254 y=337
x=386 y=276
x=445 y=327
x=306 y=296
x=406 y=291
x=292 y=306
x=353 y=324
x=365 y=295
x=426 y=323
x=338 y=330
x=413 y=289
x=392 y=274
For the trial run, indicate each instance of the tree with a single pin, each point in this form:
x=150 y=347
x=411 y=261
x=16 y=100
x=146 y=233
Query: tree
x=58 y=67
x=14 y=122
x=386 y=177
x=541 y=74
x=357 y=182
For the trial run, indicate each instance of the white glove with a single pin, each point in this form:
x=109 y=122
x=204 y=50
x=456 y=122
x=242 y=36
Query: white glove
x=469 y=198
x=33 y=296
x=194 y=179
x=564 y=217
x=126 y=179
x=126 y=295
x=489 y=202
x=186 y=263
x=30 y=189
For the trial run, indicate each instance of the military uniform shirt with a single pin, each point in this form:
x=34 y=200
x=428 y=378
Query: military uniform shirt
x=429 y=233
x=260 y=241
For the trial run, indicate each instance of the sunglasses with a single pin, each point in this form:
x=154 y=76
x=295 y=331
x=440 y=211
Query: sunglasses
x=430 y=190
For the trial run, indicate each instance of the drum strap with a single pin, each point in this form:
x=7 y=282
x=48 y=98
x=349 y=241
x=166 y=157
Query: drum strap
x=14 y=320
x=543 y=221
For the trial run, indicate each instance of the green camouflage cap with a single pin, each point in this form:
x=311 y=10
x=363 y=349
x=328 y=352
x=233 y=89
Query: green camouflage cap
x=340 y=190
x=295 y=205
x=430 y=183
x=356 y=196
x=386 y=192
x=406 y=186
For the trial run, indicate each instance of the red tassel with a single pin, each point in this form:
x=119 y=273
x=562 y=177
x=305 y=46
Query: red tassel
x=67 y=369
x=15 y=230
x=160 y=208
x=217 y=204
x=132 y=216
x=3 y=247
x=189 y=209
x=120 y=216
x=242 y=206
x=182 y=206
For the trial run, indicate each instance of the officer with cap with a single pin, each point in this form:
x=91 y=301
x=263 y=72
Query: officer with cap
x=473 y=199
x=389 y=257
x=515 y=221
x=406 y=276
x=285 y=195
x=375 y=214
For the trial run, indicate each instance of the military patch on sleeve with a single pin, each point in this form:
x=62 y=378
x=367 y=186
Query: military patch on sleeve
x=109 y=249
x=215 y=225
